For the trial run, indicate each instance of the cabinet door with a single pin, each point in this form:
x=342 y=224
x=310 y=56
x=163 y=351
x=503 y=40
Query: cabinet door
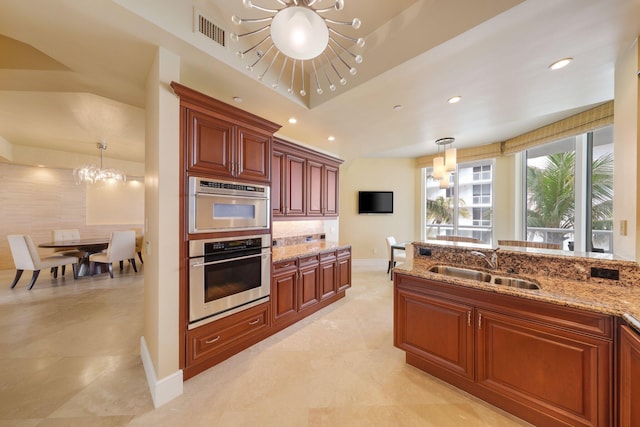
x=629 y=378
x=328 y=269
x=278 y=180
x=296 y=188
x=309 y=286
x=284 y=295
x=344 y=270
x=253 y=156
x=553 y=371
x=209 y=144
x=438 y=331
x=314 y=188
x=331 y=191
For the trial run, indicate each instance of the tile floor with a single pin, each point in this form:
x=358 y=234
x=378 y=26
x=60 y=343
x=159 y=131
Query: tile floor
x=69 y=356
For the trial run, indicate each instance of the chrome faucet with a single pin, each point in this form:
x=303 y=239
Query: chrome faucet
x=492 y=263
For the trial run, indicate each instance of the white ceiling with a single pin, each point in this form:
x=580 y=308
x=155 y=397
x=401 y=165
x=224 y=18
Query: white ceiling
x=73 y=72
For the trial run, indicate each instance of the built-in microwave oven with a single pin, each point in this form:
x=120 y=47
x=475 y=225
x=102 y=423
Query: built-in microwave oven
x=216 y=205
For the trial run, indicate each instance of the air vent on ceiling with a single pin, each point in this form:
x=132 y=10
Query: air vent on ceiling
x=209 y=29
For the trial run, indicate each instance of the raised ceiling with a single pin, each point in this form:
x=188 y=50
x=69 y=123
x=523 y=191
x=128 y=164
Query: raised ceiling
x=73 y=72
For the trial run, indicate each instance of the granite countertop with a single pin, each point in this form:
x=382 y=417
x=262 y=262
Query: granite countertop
x=623 y=301
x=281 y=253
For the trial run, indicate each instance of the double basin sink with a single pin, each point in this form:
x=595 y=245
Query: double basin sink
x=482 y=276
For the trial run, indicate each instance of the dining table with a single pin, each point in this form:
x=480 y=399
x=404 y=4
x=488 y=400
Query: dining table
x=85 y=246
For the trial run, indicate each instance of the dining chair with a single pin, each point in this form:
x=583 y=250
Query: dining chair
x=61 y=235
x=527 y=244
x=122 y=246
x=26 y=257
x=139 y=240
x=397 y=256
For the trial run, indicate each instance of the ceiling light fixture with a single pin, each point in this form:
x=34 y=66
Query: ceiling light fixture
x=443 y=165
x=293 y=120
x=90 y=174
x=454 y=99
x=331 y=138
x=560 y=63
x=304 y=37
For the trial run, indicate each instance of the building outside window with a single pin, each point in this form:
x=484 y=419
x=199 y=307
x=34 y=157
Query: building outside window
x=569 y=192
x=465 y=208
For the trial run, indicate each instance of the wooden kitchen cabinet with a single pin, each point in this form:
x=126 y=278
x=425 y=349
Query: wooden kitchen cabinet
x=218 y=340
x=629 y=384
x=344 y=269
x=436 y=330
x=284 y=290
x=328 y=275
x=309 y=276
x=305 y=182
x=550 y=365
x=304 y=285
x=216 y=146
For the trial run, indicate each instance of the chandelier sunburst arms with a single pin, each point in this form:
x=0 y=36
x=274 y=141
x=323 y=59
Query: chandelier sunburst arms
x=301 y=34
x=91 y=174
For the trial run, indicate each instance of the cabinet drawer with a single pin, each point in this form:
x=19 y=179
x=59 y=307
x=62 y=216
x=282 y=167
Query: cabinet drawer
x=287 y=265
x=344 y=252
x=308 y=260
x=208 y=340
x=328 y=256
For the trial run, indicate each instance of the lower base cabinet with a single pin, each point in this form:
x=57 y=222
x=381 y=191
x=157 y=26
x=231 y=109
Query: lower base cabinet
x=629 y=395
x=214 y=342
x=547 y=364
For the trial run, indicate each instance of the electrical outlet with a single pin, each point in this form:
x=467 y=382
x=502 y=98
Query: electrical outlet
x=605 y=273
x=424 y=251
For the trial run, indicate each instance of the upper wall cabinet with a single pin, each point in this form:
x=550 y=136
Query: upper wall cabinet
x=304 y=182
x=222 y=140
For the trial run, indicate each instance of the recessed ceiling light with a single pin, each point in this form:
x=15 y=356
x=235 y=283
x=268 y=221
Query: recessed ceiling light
x=454 y=99
x=331 y=138
x=397 y=107
x=238 y=99
x=293 y=120
x=560 y=63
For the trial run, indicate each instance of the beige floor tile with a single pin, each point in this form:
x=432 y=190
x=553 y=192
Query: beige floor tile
x=70 y=357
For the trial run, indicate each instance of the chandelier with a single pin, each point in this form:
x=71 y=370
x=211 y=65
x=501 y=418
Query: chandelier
x=298 y=34
x=443 y=165
x=90 y=174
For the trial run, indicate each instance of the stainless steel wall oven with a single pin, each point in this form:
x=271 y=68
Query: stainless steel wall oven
x=216 y=205
x=227 y=275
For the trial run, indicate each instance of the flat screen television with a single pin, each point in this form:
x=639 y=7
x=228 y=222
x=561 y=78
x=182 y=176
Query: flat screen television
x=375 y=202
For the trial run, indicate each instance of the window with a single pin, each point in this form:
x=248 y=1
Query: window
x=569 y=192
x=463 y=209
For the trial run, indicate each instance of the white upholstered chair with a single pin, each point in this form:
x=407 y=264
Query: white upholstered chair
x=64 y=235
x=397 y=256
x=26 y=257
x=122 y=246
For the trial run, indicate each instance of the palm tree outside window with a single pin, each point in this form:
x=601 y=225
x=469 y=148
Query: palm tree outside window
x=569 y=194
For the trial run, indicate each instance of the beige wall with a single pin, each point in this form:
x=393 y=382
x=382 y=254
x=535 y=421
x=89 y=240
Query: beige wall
x=162 y=207
x=626 y=154
x=367 y=233
x=35 y=201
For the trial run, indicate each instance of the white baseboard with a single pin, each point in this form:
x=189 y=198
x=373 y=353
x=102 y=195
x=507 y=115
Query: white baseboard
x=164 y=390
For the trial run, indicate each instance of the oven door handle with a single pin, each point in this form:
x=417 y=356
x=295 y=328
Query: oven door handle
x=202 y=264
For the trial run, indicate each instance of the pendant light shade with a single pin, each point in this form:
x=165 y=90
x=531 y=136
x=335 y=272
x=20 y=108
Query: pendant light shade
x=438 y=167
x=444 y=182
x=450 y=157
x=299 y=32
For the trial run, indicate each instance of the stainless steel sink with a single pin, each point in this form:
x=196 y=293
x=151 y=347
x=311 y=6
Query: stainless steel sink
x=515 y=283
x=462 y=273
x=481 y=276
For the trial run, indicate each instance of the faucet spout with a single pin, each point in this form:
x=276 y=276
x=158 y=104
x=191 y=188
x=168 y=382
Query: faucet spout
x=491 y=262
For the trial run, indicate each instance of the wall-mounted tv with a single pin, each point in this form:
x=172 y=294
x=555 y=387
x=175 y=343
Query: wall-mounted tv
x=375 y=202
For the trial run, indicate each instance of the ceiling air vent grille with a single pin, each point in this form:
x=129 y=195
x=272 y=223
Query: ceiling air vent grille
x=210 y=30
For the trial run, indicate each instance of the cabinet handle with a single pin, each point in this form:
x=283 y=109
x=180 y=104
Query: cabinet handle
x=255 y=321
x=213 y=340
x=480 y=321
x=468 y=318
